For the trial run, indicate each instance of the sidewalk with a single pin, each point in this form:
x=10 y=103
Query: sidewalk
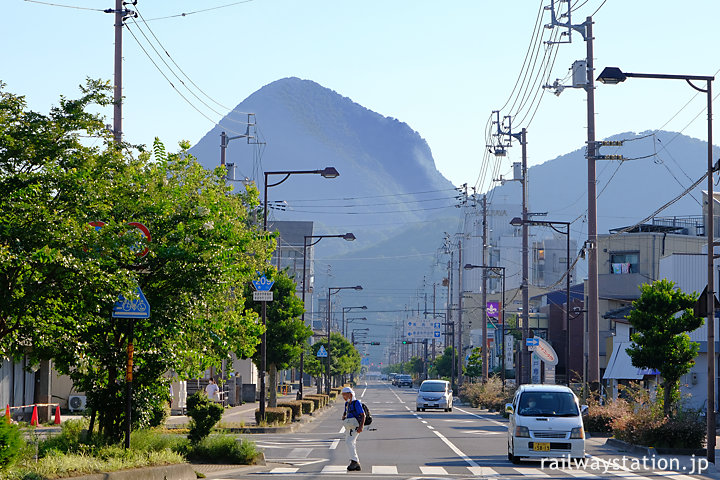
x=232 y=416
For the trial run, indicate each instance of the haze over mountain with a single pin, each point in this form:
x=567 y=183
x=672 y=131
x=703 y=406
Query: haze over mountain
x=392 y=197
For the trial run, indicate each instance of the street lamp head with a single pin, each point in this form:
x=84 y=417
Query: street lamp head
x=611 y=76
x=516 y=222
x=364 y=307
x=349 y=237
x=329 y=172
x=357 y=287
x=469 y=266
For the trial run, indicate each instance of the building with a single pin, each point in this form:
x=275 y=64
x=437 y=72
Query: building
x=628 y=258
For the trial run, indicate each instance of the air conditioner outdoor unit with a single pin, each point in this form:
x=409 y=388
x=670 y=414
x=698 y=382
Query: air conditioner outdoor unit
x=77 y=402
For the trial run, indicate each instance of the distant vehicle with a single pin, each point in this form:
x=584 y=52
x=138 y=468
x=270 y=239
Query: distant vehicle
x=383 y=377
x=434 y=394
x=545 y=421
x=404 y=380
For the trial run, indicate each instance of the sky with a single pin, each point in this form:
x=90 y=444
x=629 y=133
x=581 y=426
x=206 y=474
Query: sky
x=441 y=67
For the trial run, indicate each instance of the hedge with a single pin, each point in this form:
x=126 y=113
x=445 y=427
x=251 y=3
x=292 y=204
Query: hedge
x=278 y=414
x=308 y=406
x=295 y=407
x=324 y=399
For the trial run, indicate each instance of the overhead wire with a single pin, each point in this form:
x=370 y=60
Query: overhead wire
x=186 y=14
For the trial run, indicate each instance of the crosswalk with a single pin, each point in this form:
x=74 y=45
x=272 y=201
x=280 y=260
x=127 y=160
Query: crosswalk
x=517 y=472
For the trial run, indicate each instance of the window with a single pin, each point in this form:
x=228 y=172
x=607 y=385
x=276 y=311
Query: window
x=626 y=262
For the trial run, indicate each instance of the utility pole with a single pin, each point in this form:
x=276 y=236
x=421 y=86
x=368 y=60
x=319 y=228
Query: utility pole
x=483 y=309
x=460 y=319
x=593 y=313
x=434 y=317
x=117 y=93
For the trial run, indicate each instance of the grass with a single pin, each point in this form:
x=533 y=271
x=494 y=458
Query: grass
x=68 y=454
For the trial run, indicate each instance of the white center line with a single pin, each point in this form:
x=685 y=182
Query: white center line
x=431 y=427
x=483 y=418
x=334 y=444
x=423 y=421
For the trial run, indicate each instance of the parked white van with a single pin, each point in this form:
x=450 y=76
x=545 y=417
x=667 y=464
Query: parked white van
x=545 y=421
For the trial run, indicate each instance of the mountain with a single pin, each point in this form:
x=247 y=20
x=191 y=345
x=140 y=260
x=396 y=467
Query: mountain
x=384 y=165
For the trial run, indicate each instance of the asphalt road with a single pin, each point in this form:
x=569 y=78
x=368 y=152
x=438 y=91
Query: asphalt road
x=403 y=443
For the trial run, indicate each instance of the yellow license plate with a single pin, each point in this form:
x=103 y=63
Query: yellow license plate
x=541 y=447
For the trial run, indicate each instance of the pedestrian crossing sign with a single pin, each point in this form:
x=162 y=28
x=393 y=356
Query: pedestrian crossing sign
x=322 y=352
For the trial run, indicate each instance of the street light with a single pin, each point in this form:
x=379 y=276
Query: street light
x=328 y=172
x=347 y=237
x=566 y=232
x=501 y=270
x=329 y=320
x=613 y=76
x=347 y=309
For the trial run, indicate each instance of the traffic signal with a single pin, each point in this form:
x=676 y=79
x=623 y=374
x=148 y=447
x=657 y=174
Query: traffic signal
x=374 y=343
x=405 y=342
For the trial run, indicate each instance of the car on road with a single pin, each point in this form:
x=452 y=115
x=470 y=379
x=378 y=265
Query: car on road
x=434 y=394
x=545 y=421
x=392 y=377
x=404 y=380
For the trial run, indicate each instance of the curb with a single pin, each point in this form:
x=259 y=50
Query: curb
x=182 y=471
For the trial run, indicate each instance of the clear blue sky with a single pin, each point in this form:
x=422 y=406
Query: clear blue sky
x=439 y=66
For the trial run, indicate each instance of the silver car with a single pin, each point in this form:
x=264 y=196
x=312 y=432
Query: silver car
x=434 y=394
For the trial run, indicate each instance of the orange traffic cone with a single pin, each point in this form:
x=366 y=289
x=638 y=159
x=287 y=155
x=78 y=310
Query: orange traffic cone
x=57 y=415
x=7 y=412
x=34 y=419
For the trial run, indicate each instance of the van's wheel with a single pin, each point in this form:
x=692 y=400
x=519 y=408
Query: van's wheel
x=513 y=458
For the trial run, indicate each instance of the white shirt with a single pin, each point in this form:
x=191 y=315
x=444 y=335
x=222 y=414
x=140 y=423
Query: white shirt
x=211 y=391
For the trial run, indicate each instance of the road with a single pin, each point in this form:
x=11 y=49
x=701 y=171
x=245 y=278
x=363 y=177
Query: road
x=403 y=443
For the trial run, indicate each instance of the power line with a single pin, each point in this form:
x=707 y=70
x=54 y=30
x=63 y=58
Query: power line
x=186 y=14
x=66 y=6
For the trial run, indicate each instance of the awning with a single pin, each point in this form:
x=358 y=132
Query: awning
x=620 y=366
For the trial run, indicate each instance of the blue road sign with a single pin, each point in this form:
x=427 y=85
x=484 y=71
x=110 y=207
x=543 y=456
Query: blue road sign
x=262 y=284
x=532 y=342
x=322 y=352
x=125 y=308
x=365 y=361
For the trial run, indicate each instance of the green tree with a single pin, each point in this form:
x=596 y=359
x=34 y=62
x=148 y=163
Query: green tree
x=286 y=333
x=444 y=363
x=344 y=357
x=416 y=366
x=59 y=277
x=661 y=317
x=474 y=365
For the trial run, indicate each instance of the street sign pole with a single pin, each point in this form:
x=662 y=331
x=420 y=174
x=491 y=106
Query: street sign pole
x=129 y=382
x=263 y=294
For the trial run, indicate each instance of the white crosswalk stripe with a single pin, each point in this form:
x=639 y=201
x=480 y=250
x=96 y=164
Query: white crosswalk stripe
x=426 y=470
x=285 y=470
x=385 y=469
x=579 y=473
x=482 y=471
x=532 y=472
x=628 y=475
x=334 y=469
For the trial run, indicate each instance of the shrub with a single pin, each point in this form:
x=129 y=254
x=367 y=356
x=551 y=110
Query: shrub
x=487 y=395
x=599 y=418
x=223 y=449
x=276 y=415
x=153 y=441
x=685 y=430
x=308 y=406
x=204 y=414
x=72 y=434
x=324 y=399
x=333 y=395
x=295 y=407
x=10 y=443
x=315 y=401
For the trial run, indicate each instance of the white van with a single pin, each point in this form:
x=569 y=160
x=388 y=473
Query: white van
x=545 y=421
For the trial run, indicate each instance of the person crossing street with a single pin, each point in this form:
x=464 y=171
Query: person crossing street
x=353 y=420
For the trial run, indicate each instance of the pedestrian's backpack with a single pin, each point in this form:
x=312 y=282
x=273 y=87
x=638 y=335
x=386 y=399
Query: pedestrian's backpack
x=368 y=417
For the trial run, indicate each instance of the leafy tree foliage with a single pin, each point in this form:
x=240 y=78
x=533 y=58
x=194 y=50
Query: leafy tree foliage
x=59 y=276
x=444 y=363
x=286 y=333
x=344 y=357
x=661 y=318
x=474 y=364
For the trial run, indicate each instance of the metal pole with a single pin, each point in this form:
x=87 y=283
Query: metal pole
x=329 y=319
x=117 y=93
x=525 y=354
x=460 y=319
x=304 y=288
x=434 y=317
x=567 y=309
x=223 y=148
x=263 y=338
x=502 y=308
x=710 y=288
x=593 y=293
x=129 y=382
x=483 y=309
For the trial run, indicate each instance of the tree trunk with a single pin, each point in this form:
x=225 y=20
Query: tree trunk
x=272 y=397
x=667 y=395
x=92 y=423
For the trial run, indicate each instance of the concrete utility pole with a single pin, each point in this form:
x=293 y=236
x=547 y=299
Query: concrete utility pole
x=484 y=292
x=593 y=313
x=117 y=93
x=525 y=356
x=461 y=352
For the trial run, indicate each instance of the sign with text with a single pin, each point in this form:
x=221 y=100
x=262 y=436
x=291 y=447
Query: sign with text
x=262 y=296
x=421 y=330
x=535 y=368
x=509 y=341
x=546 y=352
